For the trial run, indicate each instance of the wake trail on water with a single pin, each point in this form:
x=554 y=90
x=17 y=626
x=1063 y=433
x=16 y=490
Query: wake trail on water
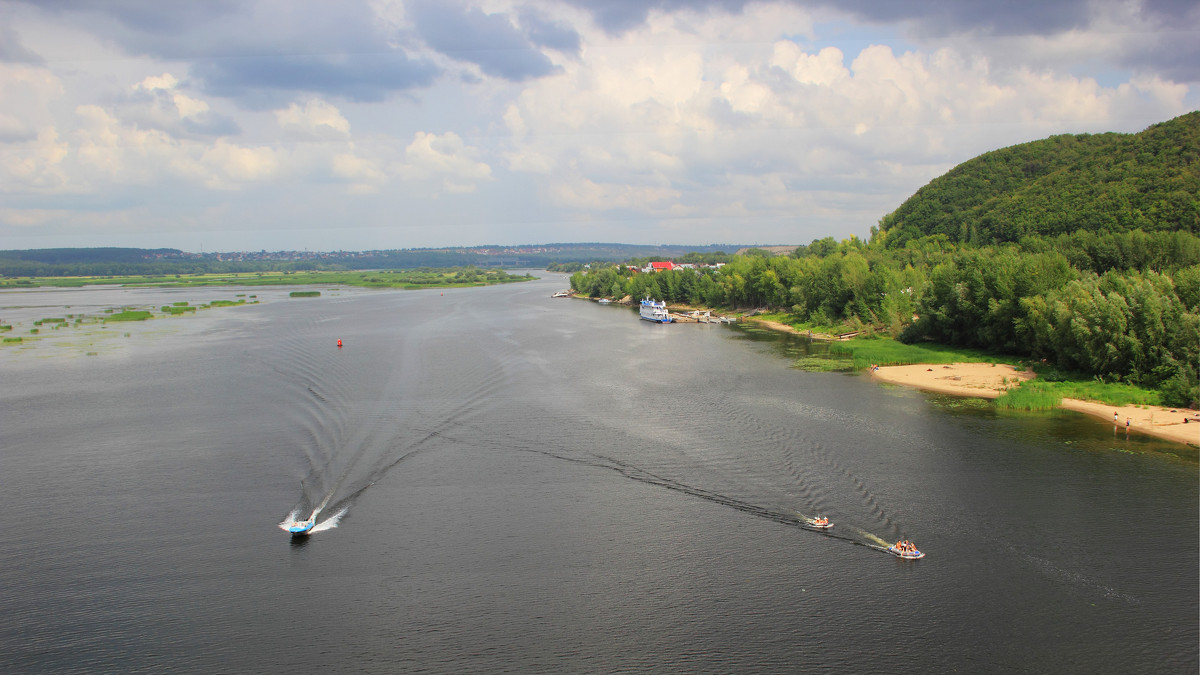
x=775 y=456
x=371 y=433
x=784 y=517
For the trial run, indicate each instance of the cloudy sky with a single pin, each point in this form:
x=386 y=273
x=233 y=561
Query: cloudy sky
x=224 y=125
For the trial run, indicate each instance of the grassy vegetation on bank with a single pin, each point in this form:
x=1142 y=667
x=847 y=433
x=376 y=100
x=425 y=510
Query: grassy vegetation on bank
x=1044 y=393
x=865 y=352
x=420 y=278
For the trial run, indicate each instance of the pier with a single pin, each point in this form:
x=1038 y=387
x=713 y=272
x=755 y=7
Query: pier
x=697 y=316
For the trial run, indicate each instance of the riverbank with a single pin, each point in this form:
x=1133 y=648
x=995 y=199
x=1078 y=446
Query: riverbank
x=983 y=380
x=986 y=380
x=1166 y=423
x=784 y=328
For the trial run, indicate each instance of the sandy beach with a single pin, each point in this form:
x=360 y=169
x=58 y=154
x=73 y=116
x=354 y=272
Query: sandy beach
x=985 y=380
x=988 y=380
x=1165 y=423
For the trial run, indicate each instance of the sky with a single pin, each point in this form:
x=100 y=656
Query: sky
x=235 y=125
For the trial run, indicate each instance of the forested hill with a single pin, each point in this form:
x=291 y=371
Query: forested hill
x=1102 y=183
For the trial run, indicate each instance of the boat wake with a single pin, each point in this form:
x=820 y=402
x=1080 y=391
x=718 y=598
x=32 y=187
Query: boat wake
x=330 y=522
x=357 y=423
x=759 y=461
x=289 y=519
x=783 y=516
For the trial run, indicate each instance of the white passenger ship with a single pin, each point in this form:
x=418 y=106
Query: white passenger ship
x=655 y=311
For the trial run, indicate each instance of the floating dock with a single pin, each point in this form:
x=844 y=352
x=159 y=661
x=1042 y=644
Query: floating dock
x=699 y=317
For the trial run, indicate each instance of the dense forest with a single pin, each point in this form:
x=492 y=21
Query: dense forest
x=1103 y=184
x=1089 y=259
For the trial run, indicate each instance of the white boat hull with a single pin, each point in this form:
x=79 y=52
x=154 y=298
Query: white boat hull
x=907 y=555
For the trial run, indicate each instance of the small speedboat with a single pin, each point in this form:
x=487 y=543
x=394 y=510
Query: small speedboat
x=906 y=553
x=300 y=528
x=604 y=301
x=820 y=523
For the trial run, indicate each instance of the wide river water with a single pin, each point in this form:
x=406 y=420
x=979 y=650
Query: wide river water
x=538 y=485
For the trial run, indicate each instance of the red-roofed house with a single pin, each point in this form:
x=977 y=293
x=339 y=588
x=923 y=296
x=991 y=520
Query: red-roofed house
x=666 y=266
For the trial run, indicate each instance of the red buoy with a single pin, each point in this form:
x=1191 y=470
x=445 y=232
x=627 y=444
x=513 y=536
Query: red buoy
x=339 y=343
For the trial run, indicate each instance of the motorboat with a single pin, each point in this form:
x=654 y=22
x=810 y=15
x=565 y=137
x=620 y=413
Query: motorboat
x=908 y=552
x=301 y=528
x=820 y=522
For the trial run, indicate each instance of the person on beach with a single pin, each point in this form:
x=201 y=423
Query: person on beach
x=1116 y=417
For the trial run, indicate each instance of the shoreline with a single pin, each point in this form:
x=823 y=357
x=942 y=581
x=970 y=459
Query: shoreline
x=1165 y=423
x=990 y=380
x=987 y=380
x=981 y=380
x=784 y=328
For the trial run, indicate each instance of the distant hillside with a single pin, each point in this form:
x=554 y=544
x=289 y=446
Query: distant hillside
x=1103 y=183
x=128 y=261
x=773 y=250
x=71 y=256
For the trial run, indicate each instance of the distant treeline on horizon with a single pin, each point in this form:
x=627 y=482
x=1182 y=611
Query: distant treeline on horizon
x=113 y=261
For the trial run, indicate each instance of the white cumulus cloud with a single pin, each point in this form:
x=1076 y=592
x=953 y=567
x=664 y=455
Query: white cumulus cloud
x=314 y=119
x=445 y=157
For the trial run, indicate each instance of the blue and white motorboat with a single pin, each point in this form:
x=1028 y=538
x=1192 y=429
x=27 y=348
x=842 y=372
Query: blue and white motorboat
x=300 y=528
x=655 y=311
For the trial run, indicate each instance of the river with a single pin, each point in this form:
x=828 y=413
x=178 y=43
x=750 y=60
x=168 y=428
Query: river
x=535 y=485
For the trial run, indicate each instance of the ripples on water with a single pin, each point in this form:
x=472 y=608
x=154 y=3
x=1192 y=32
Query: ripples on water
x=521 y=484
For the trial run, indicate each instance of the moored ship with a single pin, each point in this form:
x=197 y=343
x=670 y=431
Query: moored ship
x=655 y=311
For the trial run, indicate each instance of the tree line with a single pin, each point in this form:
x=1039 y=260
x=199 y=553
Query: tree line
x=1121 y=307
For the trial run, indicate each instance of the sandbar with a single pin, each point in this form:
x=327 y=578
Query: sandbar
x=985 y=380
x=988 y=380
x=1167 y=423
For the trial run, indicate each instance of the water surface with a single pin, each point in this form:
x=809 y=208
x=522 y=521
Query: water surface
x=547 y=485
